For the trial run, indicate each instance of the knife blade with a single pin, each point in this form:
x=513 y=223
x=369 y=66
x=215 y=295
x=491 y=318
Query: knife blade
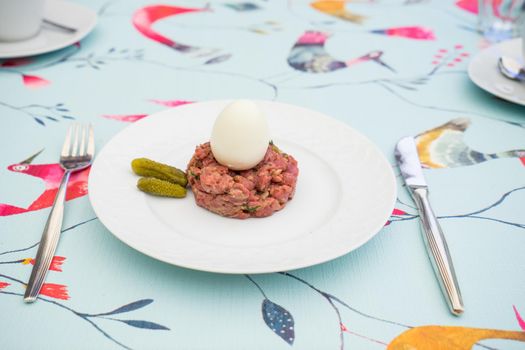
x=407 y=158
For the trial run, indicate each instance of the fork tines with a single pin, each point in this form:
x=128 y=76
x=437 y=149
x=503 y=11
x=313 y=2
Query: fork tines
x=79 y=141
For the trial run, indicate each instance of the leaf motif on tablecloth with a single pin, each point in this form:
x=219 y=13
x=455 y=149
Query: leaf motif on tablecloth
x=58 y=291
x=40 y=113
x=128 y=307
x=39 y=121
x=279 y=320
x=219 y=59
x=521 y=322
x=243 y=6
x=145 y=324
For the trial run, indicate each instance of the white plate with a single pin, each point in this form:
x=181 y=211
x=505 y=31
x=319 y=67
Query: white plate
x=483 y=71
x=50 y=39
x=345 y=194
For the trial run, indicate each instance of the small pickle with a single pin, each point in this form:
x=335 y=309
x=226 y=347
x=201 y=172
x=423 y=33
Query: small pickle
x=149 y=168
x=160 y=187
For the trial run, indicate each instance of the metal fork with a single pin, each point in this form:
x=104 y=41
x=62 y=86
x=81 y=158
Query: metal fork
x=77 y=154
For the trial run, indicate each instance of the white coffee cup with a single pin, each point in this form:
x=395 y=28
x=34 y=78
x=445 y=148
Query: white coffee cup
x=20 y=19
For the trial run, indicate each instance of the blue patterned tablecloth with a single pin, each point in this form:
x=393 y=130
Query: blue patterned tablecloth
x=387 y=68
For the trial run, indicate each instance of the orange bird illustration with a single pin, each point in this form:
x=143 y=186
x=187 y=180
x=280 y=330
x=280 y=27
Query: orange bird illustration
x=448 y=338
x=337 y=8
x=444 y=147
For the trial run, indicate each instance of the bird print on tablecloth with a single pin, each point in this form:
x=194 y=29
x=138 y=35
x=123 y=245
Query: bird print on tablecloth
x=145 y=18
x=51 y=174
x=448 y=338
x=131 y=118
x=337 y=8
x=444 y=147
x=309 y=55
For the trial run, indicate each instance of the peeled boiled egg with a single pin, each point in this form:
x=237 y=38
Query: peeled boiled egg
x=240 y=135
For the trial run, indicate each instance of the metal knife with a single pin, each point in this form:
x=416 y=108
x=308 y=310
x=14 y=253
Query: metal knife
x=408 y=160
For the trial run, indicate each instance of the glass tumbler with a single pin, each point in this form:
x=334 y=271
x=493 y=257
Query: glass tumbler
x=500 y=19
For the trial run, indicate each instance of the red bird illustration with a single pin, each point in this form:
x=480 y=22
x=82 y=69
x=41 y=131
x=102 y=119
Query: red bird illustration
x=51 y=174
x=145 y=17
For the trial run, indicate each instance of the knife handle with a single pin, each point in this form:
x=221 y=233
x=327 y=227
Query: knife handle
x=438 y=251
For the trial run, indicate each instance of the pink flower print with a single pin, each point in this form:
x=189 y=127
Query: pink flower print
x=57 y=291
x=416 y=32
x=521 y=322
x=56 y=263
x=33 y=81
x=130 y=118
x=170 y=103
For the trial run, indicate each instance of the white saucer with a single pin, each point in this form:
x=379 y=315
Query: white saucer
x=50 y=39
x=483 y=71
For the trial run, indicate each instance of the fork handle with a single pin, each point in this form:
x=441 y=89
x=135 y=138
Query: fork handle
x=48 y=243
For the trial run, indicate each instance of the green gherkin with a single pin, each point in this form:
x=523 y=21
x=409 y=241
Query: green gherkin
x=160 y=187
x=149 y=168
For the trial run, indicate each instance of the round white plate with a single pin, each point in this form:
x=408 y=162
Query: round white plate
x=49 y=38
x=483 y=71
x=345 y=194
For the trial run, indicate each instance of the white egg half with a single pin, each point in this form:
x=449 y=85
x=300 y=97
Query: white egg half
x=240 y=135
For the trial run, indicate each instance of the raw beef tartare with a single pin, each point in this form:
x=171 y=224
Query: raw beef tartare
x=256 y=192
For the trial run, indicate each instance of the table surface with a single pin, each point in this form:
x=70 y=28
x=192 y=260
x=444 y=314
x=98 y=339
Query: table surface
x=101 y=294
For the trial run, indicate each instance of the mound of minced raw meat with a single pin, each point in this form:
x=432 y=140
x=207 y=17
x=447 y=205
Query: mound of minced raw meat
x=257 y=192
